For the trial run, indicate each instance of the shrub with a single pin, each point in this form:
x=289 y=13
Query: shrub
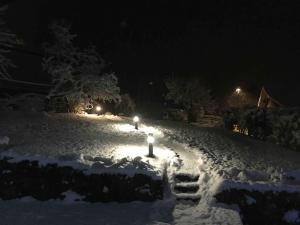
x=286 y=131
x=231 y=117
x=126 y=105
x=281 y=126
x=257 y=122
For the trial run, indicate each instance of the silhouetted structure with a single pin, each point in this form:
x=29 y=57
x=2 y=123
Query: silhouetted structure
x=266 y=101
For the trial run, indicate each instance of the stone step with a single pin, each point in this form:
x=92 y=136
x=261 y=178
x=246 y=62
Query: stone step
x=192 y=187
x=184 y=177
x=188 y=197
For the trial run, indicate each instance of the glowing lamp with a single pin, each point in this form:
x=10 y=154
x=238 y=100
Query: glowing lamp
x=98 y=108
x=238 y=90
x=136 y=120
x=150 y=140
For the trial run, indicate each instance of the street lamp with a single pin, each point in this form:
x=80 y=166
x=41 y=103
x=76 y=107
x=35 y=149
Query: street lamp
x=150 y=140
x=136 y=120
x=98 y=109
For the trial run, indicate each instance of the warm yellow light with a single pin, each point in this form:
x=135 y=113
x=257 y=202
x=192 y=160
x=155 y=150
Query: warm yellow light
x=136 y=119
x=238 y=90
x=98 y=108
x=150 y=139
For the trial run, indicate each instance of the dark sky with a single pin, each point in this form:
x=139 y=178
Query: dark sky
x=226 y=43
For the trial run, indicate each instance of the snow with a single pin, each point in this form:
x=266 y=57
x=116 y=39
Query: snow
x=105 y=189
x=30 y=211
x=233 y=156
x=4 y=140
x=203 y=215
x=97 y=165
x=250 y=200
x=71 y=197
x=111 y=144
x=96 y=144
x=292 y=216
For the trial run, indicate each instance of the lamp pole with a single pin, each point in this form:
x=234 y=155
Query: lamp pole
x=150 y=140
x=136 y=120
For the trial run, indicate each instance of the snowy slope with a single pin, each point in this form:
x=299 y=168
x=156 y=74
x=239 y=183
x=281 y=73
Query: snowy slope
x=221 y=159
x=234 y=156
x=97 y=143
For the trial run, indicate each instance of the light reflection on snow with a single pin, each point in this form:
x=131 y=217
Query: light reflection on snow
x=101 y=117
x=147 y=129
x=133 y=151
x=142 y=128
x=124 y=127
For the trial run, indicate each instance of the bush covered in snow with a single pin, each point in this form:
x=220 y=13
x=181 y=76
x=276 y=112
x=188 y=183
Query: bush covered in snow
x=268 y=207
x=126 y=105
x=230 y=118
x=286 y=131
x=51 y=181
x=257 y=122
x=281 y=126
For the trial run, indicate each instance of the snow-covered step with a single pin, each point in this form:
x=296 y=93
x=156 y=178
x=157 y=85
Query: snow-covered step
x=195 y=197
x=186 y=187
x=185 y=177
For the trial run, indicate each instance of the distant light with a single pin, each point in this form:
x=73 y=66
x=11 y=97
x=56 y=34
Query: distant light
x=98 y=108
x=150 y=139
x=136 y=119
x=238 y=90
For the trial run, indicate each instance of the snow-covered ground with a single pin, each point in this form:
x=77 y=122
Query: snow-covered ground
x=221 y=159
x=96 y=143
x=235 y=156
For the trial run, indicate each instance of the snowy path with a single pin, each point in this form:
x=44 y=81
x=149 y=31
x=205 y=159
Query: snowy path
x=188 y=177
x=188 y=158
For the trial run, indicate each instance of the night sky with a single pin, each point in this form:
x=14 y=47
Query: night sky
x=225 y=43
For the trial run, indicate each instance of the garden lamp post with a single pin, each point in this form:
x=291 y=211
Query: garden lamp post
x=150 y=140
x=136 y=120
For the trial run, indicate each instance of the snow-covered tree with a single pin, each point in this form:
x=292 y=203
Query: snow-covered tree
x=7 y=40
x=127 y=104
x=189 y=93
x=77 y=74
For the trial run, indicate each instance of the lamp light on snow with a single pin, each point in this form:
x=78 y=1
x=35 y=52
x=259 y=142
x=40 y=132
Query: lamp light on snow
x=136 y=120
x=150 y=140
